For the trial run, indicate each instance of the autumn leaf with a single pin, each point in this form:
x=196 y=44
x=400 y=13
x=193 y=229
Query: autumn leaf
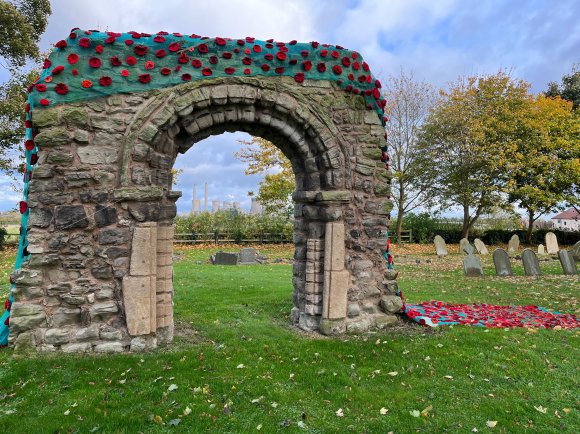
x=172 y=387
x=415 y=413
x=383 y=411
x=491 y=423
x=339 y=412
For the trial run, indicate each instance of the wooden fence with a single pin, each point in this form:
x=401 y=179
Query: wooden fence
x=229 y=238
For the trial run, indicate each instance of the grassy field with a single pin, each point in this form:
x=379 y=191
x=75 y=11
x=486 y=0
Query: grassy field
x=237 y=367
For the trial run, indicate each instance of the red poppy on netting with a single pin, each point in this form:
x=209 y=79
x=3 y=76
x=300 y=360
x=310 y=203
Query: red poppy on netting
x=293 y=42
x=183 y=58
x=257 y=48
x=159 y=39
x=33 y=159
x=40 y=87
x=213 y=60
x=99 y=49
x=144 y=78
x=72 y=35
x=378 y=84
x=48 y=79
x=105 y=81
x=57 y=70
x=29 y=145
x=362 y=78
x=281 y=55
x=241 y=42
x=125 y=73
x=293 y=61
x=376 y=93
x=47 y=64
x=335 y=54
x=23 y=207
x=247 y=60
x=269 y=56
x=207 y=72
x=61 y=89
x=131 y=60
x=265 y=67
x=314 y=44
x=174 y=46
x=247 y=71
x=202 y=48
x=186 y=77
x=95 y=62
x=351 y=76
x=28 y=123
x=44 y=102
x=227 y=55
x=324 y=53
x=269 y=45
x=345 y=62
x=299 y=77
x=129 y=42
x=229 y=70
x=110 y=40
x=196 y=63
x=160 y=53
x=365 y=66
x=304 y=53
x=355 y=91
x=337 y=69
x=307 y=65
x=115 y=61
x=279 y=70
x=321 y=67
x=140 y=50
x=61 y=44
x=84 y=42
x=220 y=41
x=72 y=58
x=356 y=66
x=149 y=64
x=165 y=71
x=250 y=40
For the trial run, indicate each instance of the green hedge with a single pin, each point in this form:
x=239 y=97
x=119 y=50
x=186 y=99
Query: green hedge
x=238 y=225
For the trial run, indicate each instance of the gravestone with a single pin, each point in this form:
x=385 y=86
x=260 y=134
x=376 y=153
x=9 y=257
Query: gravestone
x=248 y=255
x=440 y=247
x=224 y=258
x=463 y=243
x=468 y=249
x=472 y=266
x=531 y=264
x=551 y=243
x=576 y=251
x=514 y=244
x=480 y=247
x=567 y=262
x=541 y=250
x=501 y=261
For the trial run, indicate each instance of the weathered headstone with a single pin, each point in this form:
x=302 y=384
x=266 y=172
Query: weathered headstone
x=480 y=247
x=531 y=264
x=224 y=258
x=472 y=266
x=440 y=247
x=541 y=250
x=551 y=243
x=468 y=249
x=501 y=261
x=567 y=262
x=248 y=255
x=576 y=251
x=514 y=244
x=463 y=243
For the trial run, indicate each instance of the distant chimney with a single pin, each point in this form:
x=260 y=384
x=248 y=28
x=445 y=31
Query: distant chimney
x=215 y=205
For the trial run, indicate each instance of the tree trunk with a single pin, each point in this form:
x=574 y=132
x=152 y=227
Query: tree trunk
x=530 y=227
x=400 y=212
x=466 y=225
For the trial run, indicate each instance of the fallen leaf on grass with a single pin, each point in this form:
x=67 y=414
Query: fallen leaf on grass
x=425 y=411
x=541 y=409
x=415 y=413
x=393 y=374
x=172 y=387
x=449 y=377
x=339 y=412
x=240 y=366
x=66 y=413
x=383 y=410
x=174 y=422
x=301 y=424
x=491 y=423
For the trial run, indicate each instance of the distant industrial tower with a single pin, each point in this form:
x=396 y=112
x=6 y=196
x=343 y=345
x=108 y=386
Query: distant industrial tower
x=256 y=208
x=195 y=203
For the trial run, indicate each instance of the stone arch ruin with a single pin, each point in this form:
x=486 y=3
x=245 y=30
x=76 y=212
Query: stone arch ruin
x=96 y=272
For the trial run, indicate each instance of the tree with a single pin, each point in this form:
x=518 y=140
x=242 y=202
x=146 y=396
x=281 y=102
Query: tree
x=468 y=140
x=13 y=97
x=22 y=22
x=569 y=89
x=547 y=164
x=275 y=190
x=409 y=102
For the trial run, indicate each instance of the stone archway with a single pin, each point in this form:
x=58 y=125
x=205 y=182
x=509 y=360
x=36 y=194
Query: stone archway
x=100 y=235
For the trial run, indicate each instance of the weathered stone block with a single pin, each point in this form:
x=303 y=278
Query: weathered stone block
x=26 y=277
x=137 y=301
x=84 y=347
x=59 y=157
x=113 y=236
x=52 y=137
x=109 y=347
x=75 y=116
x=138 y=194
x=143 y=248
x=335 y=294
x=45 y=117
x=70 y=217
x=40 y=217
x=98 y=155
x=329 y=327
x=103 y=311
x=57 y=336
x=66 y=316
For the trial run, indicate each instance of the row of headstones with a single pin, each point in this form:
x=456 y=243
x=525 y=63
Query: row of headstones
x=513 y=246
x=503 y=267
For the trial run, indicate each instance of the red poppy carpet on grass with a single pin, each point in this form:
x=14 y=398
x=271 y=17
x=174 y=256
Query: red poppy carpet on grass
x=437 y=313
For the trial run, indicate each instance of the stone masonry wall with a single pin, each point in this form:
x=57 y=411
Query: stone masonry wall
x=100 y=236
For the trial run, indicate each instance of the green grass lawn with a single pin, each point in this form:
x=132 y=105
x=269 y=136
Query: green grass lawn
x=237 y=367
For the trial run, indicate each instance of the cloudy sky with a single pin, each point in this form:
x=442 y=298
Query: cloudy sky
x=538 y=40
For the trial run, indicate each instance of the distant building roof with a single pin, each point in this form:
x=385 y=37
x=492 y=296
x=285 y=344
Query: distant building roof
x=569 y=214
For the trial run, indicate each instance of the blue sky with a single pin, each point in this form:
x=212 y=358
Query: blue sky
x=537 y=40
